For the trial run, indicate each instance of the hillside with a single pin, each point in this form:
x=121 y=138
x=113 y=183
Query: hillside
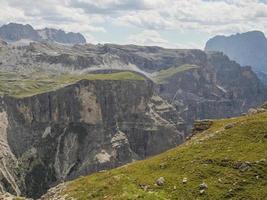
x=70 y=125
x=228 y=159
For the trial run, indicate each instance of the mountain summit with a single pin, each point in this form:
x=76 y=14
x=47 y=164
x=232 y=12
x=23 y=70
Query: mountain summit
x=14 y=32
x=248 y=48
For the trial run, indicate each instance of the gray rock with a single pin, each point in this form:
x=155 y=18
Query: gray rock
x=203 y=186
x=160 y=181
x=244 y=167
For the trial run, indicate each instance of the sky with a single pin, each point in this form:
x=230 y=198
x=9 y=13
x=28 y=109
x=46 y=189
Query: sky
x=166 y=23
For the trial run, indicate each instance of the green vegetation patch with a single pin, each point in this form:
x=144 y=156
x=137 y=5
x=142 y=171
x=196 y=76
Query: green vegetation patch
x=15 y=84
x=161 y=76
x=230 y=158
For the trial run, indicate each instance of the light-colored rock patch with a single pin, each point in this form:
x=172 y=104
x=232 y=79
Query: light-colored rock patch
x=91 y=112
x=6 y=155
x=46 y=132
x=103 y=157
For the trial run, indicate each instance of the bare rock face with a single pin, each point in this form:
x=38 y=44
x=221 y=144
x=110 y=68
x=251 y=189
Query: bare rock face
x=216 y=87
x=83 y=128
x=14 y=32
x=219 y=89
x=61 y=36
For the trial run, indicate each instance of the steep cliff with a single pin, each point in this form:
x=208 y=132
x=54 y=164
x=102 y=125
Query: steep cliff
x=218 y=88
x=199 y=84
x=227 y=159
x=82 y=128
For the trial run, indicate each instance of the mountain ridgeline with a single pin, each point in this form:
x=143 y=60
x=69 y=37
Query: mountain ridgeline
x=83 y=108
x=200 y=85
x=13 y=32
x=248 y=49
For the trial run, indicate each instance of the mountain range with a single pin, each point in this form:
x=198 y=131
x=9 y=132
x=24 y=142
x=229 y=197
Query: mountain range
x=68 y=111
x=248 y=49
x=14 y=32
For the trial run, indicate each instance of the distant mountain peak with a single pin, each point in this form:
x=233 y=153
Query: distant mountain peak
x=14 y=32
x=248 y=48
x=254 y=33
x=61 y=36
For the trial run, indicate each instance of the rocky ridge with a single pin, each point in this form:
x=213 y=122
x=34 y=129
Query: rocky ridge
x=14 y=32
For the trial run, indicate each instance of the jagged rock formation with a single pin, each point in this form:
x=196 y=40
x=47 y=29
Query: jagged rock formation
x=14 y=32
x=82 y=128
x=247 y=48
x=61 y=36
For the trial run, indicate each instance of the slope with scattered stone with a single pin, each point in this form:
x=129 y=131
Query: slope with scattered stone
x=226 y=161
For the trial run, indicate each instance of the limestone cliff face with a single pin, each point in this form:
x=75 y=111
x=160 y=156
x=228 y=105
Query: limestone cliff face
x=83 y=128
x=220 y=88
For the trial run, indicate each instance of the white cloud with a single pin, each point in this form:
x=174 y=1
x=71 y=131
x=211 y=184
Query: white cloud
x=153 y=38
x=92 y=16
x=207 y=16
x=52 y=14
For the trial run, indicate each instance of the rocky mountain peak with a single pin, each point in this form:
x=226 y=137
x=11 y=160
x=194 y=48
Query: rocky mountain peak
x=14 y=32
x=248 y=48
x=61 y=36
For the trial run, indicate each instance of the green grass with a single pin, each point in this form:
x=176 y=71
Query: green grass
x=213 y=157
x=162 y=76
x=17 y=85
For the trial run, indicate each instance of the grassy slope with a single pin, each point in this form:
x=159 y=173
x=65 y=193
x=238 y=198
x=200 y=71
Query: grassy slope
x=17 y=85
x=161 y=76
x=212 y=157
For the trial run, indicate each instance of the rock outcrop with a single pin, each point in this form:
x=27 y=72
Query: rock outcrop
x=82 y=128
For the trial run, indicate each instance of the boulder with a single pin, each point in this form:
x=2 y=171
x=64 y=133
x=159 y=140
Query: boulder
x=160 y=181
